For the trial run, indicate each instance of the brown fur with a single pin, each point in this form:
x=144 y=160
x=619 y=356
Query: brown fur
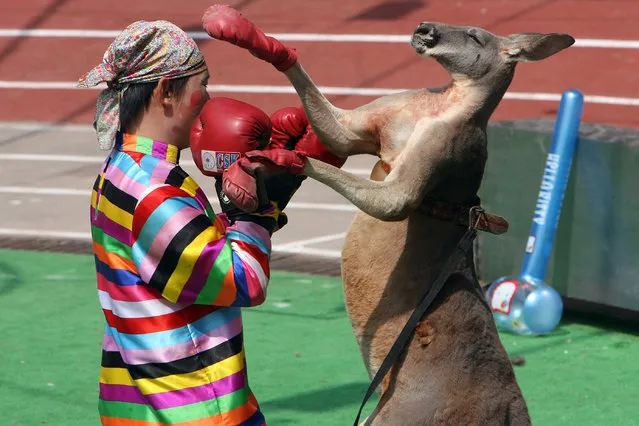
x=431 y=142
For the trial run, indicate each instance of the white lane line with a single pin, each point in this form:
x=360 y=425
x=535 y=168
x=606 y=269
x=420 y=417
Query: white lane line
x=23 y=190
x=88 y=159
x=322 y=206
x=52 y=158
x=86 y=236
x=293 y=205
x=45 y=127
x=333 y=254
x=219 y=88
x=327 y=90
x=316 y=240
x=27 y=190
x=294 y=37
x=10 y=232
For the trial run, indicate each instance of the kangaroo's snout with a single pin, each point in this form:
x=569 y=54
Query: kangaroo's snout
x=426 y=34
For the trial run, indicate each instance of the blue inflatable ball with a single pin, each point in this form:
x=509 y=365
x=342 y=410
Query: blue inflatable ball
x=543 y=309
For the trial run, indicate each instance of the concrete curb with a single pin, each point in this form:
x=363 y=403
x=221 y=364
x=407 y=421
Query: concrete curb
x=288 y=262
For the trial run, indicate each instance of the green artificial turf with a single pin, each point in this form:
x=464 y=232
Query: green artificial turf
x=304 y=365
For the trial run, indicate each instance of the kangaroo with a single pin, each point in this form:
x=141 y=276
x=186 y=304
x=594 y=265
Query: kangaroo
x=414 y=210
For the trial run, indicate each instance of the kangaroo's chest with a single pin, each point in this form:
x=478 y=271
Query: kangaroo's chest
x=407 y=126
x=395 y=132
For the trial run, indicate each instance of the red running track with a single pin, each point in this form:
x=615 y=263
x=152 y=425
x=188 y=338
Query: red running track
x=594 y=71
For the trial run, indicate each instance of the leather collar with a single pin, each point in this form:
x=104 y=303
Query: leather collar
x=465 y=214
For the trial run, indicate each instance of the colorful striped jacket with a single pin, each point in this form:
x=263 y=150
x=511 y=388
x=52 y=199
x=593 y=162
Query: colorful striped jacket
x=172 y=277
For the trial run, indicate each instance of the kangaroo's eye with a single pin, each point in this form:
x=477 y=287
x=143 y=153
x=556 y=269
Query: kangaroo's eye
x=475 y=38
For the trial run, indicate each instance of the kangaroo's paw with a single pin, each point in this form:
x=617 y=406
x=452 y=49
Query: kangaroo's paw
x=425 y=332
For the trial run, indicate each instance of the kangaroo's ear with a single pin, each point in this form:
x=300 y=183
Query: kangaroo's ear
x=527 y=47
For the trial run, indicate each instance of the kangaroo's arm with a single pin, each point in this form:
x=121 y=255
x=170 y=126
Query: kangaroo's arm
x=418 y=169
x=326 y=119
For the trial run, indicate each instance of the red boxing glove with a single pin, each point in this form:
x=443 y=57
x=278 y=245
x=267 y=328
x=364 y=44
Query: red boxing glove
x=312 y=147
x=291 y=130
x=239 y=180
x=227 y=24
x=224 y=130
x=288 y=126
x=275 y=161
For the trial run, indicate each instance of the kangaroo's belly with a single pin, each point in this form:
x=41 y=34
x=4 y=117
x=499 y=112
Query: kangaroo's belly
x=386 y=269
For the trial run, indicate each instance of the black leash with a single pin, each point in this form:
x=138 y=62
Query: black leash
x=465 y=243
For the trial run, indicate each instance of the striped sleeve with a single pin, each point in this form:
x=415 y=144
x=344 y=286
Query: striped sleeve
x=189 y=259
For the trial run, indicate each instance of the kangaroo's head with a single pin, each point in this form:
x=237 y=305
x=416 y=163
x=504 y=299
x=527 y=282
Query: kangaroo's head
x=476 y=55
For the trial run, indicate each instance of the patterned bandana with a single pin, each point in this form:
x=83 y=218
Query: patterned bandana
x=143 y=52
